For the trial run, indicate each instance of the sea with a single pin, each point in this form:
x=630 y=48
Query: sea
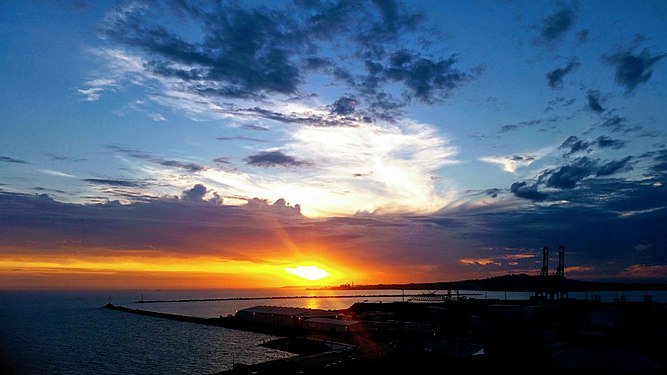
x=69 y=332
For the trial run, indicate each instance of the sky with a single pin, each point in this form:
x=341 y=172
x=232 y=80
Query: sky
x=202 y=144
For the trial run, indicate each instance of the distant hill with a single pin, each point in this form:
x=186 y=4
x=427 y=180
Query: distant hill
x=516 y=283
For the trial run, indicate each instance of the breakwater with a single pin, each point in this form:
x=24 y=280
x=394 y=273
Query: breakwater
x=277 y=298
x=224 y=321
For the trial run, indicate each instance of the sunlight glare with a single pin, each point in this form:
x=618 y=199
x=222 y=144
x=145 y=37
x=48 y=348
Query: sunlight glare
x=307 y=272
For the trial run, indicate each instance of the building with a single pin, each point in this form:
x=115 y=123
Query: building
x=340 y=326
x=280 y=316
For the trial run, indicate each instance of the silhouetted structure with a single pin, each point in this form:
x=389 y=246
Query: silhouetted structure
x=545 y=262
x=560 y=271
x=552 y=287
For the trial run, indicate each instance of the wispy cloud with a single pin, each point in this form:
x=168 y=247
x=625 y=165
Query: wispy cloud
x=555 y=77
x=7 y=159
x=55 y=173
x=557 y=24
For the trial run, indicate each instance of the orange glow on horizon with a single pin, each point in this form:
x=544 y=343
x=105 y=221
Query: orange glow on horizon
x=146 y=269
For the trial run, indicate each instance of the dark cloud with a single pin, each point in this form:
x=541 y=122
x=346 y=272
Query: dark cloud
x=566 y=177
x=307 y=118
x=446 y=222
x=631 y=69
x=241 y=138
x=255 y=128
x=527 y=124
x=524 y=190
x=575 y=145
x=617 y=124
x=58 y=191
x=344 y=106
x=222 y=161
x=112 y=182
x=274 y=159
x=598 y=234
x=190 y=167
x=660 y=162
x=593 y=101
x=555 y=77
x=606 y=142
x=493 y=193
x=556 y=24
x=63 y=158
x=156 y=224
x=196 y=194
x=256 y=53
x=614 y=166
x=564 y=102
x=7 y=159
x=426 y=80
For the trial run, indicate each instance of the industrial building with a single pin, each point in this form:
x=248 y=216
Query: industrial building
x=339 y=326
x=280 y=316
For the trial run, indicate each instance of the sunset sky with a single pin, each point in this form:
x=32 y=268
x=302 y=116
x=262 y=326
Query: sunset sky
x=185 y=144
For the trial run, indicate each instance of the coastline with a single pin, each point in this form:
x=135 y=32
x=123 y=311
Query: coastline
x=516 y=335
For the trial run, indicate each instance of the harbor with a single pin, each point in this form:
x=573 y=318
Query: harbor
x=463 y=334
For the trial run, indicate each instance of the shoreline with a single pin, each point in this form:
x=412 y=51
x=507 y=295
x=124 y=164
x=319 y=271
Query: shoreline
x=466 y=335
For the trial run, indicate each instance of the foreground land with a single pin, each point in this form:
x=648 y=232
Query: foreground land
x=460 y=336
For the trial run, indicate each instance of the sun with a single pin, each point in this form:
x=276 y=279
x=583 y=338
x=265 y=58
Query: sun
x=307 y=272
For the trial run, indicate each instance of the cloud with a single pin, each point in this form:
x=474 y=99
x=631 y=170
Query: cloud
x=511 y=163
x=632 y=69
x=265 y=55
x=112 y=182
x=557 y=24
x=524 y=190
x=597 y=239
x=7 y=159
x=574 y=145
x=190 y=167
x=274 y=159
x=555 y=77
x=606 y=142
x=196 y=194
x=187 y=166
x=255 y=127
x=493 y=193
x=55 y=173
x=567 y=176
x=241 y=138
x=527 y=124
x=95 y=88
x=660 y=162
x=618 y=123
x=344 y=106
x=593 y=101
x=429 y=81
x=614 y=166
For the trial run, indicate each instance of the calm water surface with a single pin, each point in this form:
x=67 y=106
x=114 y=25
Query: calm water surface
x=70 y=332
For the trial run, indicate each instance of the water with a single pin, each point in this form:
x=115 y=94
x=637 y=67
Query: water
x=69 y=332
